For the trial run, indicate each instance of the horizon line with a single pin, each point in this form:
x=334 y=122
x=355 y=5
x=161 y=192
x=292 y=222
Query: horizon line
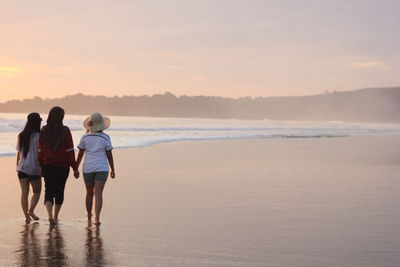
x=216 y=96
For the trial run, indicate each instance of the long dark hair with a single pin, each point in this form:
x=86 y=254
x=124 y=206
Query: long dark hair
x=31 y=126
x=54 y=132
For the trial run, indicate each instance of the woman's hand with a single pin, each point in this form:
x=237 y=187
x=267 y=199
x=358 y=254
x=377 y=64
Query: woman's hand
x=76 y=173
x=112 y=174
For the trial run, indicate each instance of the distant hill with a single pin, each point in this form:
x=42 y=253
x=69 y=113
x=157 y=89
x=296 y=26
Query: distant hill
x=366 y=105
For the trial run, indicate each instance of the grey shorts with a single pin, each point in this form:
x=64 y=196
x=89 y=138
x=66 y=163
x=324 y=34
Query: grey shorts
x=95 y=176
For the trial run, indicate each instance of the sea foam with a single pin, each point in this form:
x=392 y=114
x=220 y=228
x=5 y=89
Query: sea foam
x=146 y=131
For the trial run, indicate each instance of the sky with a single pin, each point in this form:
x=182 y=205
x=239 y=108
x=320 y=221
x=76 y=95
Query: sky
x=230 y=48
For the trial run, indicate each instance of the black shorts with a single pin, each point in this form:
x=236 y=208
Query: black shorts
x=22 y=175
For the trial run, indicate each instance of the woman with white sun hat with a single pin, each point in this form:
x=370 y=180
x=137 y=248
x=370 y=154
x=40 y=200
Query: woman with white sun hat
x=97 y=147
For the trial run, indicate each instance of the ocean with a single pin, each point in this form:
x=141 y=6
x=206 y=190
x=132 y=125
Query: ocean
x=129 y=132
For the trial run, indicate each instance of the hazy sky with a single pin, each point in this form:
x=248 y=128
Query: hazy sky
x=211 y=47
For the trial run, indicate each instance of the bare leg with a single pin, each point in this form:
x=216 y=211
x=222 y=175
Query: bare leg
x=89 y=200
x=49 y=207
x=59 y=187
x=36 y=188
x=57 y=208
x=98 y=194
x=24 y=183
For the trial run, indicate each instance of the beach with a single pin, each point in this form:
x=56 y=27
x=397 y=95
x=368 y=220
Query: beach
x=249 y=202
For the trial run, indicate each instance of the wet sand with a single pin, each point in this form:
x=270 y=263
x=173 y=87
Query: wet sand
x=270 y=202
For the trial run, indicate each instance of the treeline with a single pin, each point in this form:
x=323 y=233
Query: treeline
x=367 y=105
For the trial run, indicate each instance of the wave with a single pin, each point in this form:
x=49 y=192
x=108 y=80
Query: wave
x=139 y=132
x=16 y=125
x=172 y=139
x=144 y=142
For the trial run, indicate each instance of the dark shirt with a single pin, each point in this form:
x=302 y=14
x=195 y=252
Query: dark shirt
x=63 y=156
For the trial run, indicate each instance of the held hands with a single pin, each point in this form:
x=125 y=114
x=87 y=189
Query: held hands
x=112 y=174
x=76 y=173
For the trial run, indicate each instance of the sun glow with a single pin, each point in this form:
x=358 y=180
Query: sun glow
x=9 y=71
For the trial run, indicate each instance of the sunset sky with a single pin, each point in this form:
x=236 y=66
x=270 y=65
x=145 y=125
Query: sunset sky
x=228 y=48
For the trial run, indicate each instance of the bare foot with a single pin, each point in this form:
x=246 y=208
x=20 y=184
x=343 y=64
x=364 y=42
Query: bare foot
x=89 y=218
x=97 y=221
x=33 y=215
x=52 y=221
x=27 y=220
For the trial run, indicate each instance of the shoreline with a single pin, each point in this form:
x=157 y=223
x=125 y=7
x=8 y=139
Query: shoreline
x=12 y=154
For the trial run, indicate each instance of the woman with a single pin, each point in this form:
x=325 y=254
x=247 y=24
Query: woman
x=56 y=156
x=28 y=166
x=97 y=146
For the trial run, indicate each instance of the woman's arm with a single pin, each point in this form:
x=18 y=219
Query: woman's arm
x=80 y=156
x=40 y=152
x=18 y=149
x=69 y=150
x=111 y=162
x=18 y=157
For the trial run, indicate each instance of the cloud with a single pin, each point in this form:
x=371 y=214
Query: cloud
x=370 y=64
x=198 y=77
x=66 y=69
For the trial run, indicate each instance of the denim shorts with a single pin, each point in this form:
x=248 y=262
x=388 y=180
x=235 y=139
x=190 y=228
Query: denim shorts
x=95 y=176
x=22 y=175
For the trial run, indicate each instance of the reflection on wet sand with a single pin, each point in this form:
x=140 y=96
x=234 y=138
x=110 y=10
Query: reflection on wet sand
x=29 y=250
x=42 y=246
x=55 y=248
x=34 y=251
x=94 y=250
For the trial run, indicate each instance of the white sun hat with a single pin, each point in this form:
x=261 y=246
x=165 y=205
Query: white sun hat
x=96 y=122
